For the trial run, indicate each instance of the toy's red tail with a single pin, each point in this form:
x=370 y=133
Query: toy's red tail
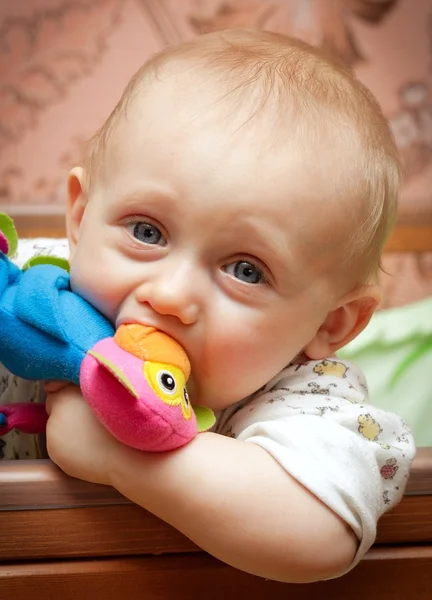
x=28 y=417
x=4 y=246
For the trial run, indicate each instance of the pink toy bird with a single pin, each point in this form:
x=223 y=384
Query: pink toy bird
x=135 y=383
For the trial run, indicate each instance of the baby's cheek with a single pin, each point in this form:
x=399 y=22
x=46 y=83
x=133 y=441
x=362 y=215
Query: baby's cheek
x=92 y=288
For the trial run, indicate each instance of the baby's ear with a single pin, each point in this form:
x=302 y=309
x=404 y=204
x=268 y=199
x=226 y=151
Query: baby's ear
x=76 y=203
x=345 y=322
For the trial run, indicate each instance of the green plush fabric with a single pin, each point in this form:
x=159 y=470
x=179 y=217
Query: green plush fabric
x=395 y=353
x=7 y=227
x=46 y=260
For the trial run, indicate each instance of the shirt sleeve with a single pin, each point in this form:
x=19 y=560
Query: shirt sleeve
x=314 y=419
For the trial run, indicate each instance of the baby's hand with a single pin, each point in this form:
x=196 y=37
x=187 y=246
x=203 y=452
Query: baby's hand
x=76 y=441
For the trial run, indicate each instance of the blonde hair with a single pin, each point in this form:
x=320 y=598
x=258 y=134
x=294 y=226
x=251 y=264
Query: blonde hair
x=314 y=87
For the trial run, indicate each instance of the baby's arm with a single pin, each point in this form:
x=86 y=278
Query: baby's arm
x=230 y=497
x=236 y=502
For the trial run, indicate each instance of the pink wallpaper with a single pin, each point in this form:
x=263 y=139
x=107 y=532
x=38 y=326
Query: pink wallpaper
x=64 y=63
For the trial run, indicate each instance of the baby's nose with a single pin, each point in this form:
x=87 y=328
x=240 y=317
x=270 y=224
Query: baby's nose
x=174 y=293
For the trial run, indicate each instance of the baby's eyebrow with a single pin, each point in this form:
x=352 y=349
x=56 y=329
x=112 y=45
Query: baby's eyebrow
x=150 y=195
x=271 y=246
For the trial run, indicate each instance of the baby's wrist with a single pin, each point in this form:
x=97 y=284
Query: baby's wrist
x=117 y=458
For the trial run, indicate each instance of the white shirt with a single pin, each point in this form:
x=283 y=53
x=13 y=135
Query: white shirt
x=314 y=419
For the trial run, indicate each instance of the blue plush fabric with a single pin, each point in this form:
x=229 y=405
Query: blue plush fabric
x=45 y=328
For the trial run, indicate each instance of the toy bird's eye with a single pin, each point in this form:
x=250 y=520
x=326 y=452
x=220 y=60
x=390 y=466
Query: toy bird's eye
x=167 y=382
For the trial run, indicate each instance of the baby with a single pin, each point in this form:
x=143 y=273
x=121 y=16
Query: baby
x=238 y=198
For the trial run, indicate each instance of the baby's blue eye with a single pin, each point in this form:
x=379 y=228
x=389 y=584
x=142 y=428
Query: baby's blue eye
x=146 y=233
x=245 y=271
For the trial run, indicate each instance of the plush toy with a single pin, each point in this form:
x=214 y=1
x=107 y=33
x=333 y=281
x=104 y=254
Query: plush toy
x=134 y=379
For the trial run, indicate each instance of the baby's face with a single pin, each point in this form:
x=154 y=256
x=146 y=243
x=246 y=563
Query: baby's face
x=213 y=238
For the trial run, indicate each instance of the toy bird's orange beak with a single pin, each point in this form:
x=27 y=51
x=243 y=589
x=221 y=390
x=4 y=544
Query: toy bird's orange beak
x=150 y=344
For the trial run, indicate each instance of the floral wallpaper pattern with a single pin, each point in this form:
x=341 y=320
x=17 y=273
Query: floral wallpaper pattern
x=64 y=63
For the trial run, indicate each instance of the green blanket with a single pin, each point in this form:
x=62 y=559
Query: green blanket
x=395 y=353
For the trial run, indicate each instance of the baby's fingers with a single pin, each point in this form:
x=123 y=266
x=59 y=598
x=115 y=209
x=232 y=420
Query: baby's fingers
x=51 y=387
x=48 y=404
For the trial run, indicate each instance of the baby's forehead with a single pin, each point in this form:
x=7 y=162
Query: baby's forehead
x=194 y=97
x=263 y=144
x=272 y=141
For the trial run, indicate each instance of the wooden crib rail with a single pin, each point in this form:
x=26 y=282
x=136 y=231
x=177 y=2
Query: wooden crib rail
x=104 y=546
x=37 y=501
